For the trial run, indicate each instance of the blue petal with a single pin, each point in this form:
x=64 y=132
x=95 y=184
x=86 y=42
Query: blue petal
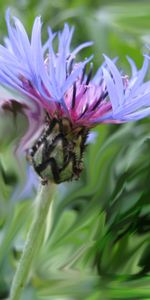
x=117 y=79
x=79 y=48
x=133 y=66
x=11 y=33
x=73 y=76
x=99 y=73
x=36 y=47
x=134 y=104
x=141 y=74
x=138 y=115
x=111 y=88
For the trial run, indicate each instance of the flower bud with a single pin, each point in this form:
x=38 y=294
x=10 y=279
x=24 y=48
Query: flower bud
x=57 y=155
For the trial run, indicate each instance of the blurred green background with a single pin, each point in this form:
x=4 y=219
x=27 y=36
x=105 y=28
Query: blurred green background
x=96 y=243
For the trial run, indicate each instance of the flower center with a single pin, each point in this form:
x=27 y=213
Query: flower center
x=58 y=154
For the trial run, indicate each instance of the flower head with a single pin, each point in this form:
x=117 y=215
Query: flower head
x=63 y=97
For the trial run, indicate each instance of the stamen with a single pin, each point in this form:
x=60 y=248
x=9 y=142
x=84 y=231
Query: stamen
x=85 y=110
x=101 y=98
x=70 y=66
x=101 y=81
x=74 y=95
x=85 y=89
x=105 y=94
x=97 y=103
x=83 y=74
x=89 y=74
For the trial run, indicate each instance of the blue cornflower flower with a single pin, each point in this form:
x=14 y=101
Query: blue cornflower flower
x=52 y=84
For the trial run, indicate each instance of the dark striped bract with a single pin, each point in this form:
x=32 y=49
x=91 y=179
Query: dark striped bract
x=57 y=155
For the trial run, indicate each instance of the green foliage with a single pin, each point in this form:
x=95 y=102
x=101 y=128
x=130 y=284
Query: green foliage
x=96 y=243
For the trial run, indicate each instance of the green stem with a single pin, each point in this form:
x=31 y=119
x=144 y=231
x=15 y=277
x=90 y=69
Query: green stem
x=43 y=201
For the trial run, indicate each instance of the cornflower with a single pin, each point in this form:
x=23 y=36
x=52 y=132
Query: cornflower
x=62 y=99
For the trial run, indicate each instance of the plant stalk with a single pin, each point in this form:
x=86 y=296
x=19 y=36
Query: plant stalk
x=43 y=200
